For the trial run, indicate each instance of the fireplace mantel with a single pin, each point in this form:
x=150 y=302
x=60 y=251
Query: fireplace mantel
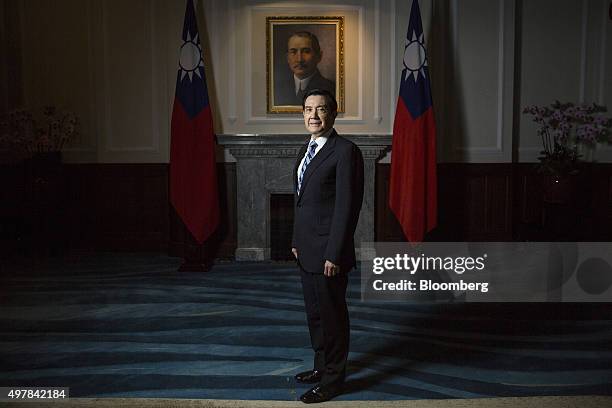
x=264 y=165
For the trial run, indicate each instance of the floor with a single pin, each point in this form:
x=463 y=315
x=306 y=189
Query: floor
x=129 y=325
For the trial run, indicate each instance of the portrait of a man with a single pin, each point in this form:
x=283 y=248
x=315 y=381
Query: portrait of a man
x=304 y=53
x=303 y=56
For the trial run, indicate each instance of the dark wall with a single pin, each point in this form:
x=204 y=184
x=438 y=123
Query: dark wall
x=474 y=204
x=510 y=202
x=54 y=208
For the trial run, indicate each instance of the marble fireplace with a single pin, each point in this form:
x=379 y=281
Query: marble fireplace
x=264 y=165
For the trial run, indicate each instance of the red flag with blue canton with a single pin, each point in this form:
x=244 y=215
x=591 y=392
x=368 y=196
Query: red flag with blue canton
x=413 y=182
x=193 y=174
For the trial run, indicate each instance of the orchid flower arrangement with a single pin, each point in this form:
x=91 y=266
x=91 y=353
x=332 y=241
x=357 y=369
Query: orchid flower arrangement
x=564 y=127
x=37 y=132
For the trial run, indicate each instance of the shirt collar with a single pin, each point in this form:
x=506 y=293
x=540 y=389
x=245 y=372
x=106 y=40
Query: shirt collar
x=301 y=83
x=321 y=140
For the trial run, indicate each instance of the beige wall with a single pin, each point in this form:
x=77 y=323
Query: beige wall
x=10 y=55
x=115 y=62
x=567 y=50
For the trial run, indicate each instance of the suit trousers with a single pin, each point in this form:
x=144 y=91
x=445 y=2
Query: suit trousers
x=328 y=323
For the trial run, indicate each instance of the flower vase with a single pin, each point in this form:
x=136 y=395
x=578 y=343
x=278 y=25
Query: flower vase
x=43 y=161
x=560 y=189
x=44 y=178
x=45 y=203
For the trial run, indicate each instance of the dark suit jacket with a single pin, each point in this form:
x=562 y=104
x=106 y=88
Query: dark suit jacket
x=327 y=208
x=285 y=93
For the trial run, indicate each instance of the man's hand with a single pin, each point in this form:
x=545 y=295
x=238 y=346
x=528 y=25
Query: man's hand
x=331 y=269
x=294 y=251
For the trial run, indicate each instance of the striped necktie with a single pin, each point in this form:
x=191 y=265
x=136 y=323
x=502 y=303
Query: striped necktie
x=309 y=156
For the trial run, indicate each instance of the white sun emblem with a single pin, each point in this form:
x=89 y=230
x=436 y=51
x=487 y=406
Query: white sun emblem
x=415 y=57
x=191 y=57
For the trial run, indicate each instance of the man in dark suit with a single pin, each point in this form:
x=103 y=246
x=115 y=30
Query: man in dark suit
x=328 y=181
x=303 y=55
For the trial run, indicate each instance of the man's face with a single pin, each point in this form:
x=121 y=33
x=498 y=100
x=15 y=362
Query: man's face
x=318 y=117
x=301 y=57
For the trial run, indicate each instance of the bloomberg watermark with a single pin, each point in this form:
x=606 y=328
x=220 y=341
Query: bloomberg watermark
x=487 y=272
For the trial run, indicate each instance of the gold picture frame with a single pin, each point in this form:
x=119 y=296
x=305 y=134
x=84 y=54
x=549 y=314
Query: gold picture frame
x=325 y=71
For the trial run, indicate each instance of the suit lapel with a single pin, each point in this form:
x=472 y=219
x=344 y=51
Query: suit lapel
x=300 y=156
x=321 y=156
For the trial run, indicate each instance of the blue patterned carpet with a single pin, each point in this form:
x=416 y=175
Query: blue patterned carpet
x=130 y=326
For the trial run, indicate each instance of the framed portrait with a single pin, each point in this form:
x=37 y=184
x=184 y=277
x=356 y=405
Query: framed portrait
x=303 y=53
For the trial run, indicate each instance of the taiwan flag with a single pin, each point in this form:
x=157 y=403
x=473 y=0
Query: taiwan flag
x=193 y=175
x=413 y=184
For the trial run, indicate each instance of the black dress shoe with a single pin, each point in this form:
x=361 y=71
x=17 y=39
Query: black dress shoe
x=309 y=377
x=320 y=393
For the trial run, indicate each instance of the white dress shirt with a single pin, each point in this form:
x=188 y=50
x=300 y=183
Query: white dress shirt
x=301 y=83
x=321 y=140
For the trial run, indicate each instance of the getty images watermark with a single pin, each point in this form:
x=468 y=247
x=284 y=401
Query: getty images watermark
x=487 y=272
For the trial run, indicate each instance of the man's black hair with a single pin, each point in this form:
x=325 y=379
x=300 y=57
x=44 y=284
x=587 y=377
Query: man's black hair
x=331 y=100
x=314 y=41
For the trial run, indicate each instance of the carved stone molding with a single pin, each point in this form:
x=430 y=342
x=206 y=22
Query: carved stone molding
x=264 y=152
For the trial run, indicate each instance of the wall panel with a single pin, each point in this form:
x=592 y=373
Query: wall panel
x=552 y=61
x=128 y=78
x=481 y=86
x=57 y=62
